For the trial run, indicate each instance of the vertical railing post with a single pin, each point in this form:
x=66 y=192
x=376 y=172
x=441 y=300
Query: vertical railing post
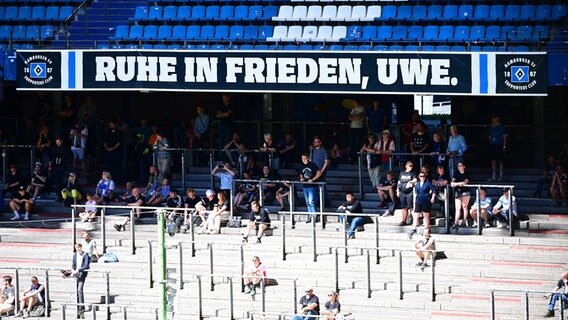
x=562 y=304
x=283 y=234
x=378 y=258
x=242 y=251
x=345 y=243
x=180 y=265
x=231 y=302
x=211 y=284
x=492 y=305
x=132 y=236
x=292 y=197
x=103 y=229
x=336 y=268
x=368 y=273
x=433 y=275
x=478 y=202
x=360 y=175
x=192 y=234
x=73 y=227
x=511 y=215
x=314 y=247
x=231 y=199
x=150 y=271
x=17 y=290
x=447 y=208
x=199 y=299
x=295 y=296
x=321 y=198
x=4 y=167
x=211 y=165
x=263 y=294
x=183 y=184
x=94 y=312
x=47 y=291
x=527 y=306
x=107 y=295
x=400 y=291
x=32 y=160
x=261 y=193
x=63 y=309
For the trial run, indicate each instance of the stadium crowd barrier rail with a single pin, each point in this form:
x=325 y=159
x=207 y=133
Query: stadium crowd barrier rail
x=526 y=294
x=95 y=307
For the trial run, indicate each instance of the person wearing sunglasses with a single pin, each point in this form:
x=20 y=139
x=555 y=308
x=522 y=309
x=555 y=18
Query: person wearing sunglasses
x=425 y=195
x=308 y=306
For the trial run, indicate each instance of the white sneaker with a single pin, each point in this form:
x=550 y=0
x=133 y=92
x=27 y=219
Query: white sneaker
x=27 y=216
x=15 y=217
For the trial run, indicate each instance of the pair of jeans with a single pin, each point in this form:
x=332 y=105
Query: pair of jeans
x=354 y=222
x=311 y=196
x=301 y=317
x=80 y=295
x=555 y=297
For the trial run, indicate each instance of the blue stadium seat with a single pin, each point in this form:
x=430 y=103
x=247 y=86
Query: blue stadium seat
x=103 y=46
x=512 y=12
x=218 y=47
x=519 y=49
x=261 y=47
x=212 y=13
x=19 y=32
x=442 y=48
x=450 y=13
x=368 y=33
x=202 y=47
x=197 y=13
x=434 y=12
x=150 y=32
x=365 y=47
x=52 y=13
x=481 y=13
x=351 y=47
x=411 y=48
x=38 y=13
x=383 y=33
x=525 y=33
x=335 y=47
x=240 y=13
x=155 y=13
x=250 y=33
x=319 y=47
x=496 y=12
x=415 y=33
x=236 y=33
x=2 y=13
x=116 y=46
x=159 y=46
x=25 y=13
x=543 y=12
x=419 y=13
x=430 y=33
x=404 y=13
x=189 y=47
x=207 y=32
x=541 y=32
x=121 y=32
x=11 y=13
x=477 y=33
x=492 y=33
x=461 y=33
x=27 y=46
x=246 y=47
x=380 y=47
x=193 y=32
x=465 y=12
x=136 y=33
x=528 y=12
x=508 y=33
x=47 y=33
x=290 y=47
x=170 y=13
x=179 y=32
x=268 y=12
x=184 y=13
x=226 y=13
x=428 y=48
x=65 y=13
x=273 y=47
x=399 y=33
x=458 y=48
x=265 y=32
x=221 y=32
x=353 y=33
x=396 y=48
x=164 y=32
x=32 y=33
x=173 y=47
x=388 y=13
x=475 y=48
x=140 y=13
x=558 y=12
x=446 y=33
x=256 y=12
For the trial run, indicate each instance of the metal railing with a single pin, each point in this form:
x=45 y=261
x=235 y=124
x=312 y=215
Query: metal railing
x=95 y=307
x=511 y=214
x=5 y=153
x=286 y=315
x=525 y=294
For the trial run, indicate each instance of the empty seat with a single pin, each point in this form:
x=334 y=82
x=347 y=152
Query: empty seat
x=260 y=47
x=47 y=32
x=211 y=13
x=461 y=33
x=497 y=12
x=398 y=33
x=428 y=48
x=388 y=13
x=32 y=33
x=19 y=32
x=343 y=13
x=528 y=12
x=226 y=13
x=419 y=13
x=268 y=13
x=38 y=13
x=306 y=47
x=335 y=47
x=446 y=33
x=202 y=47
x=368 y=33
x=136 y=32
x=197 y=13
x=294 y=32
x=338 y=33
x=358 y=13
x=65 y=13
x=207 y=33
x=380 y=47
x=241 y=13
x=543 y=12
x=159 y=47
x=170 y=13
x=508 y=33
x=140 y=13
x=365 y=47
x=284 y=13
x=218 y=47
x=383 y=33
x=314 y=12
x=308 y=34
x=246 y=47
x=121 y=32
x=477 y=33
x=396 y=47
x=475 y=48
x=184 y=13
x=558 y=12
x=264 y=32
x=450 y=13
x=279 y=33
x=351 y=47
x=353 y=33
x=11 y=13
x=236 y=33
x=411 y=48
x=481 y=12
x=415 y=33
x=135 y=46
x=430 y=33
x=458 y=48
x=525 y=33
x=324 y=33
x=442 y=48
x=52 y=13
x=173 y=47
x=541 y=32
x=155 y=13
x=221 y=33
x=256 y=13
x=179 y=32
x=290 y=47
x=150 y=32
x=328 y=13
x=299 y=13
x=519 y=49
x=492 y=33
x=512 y=12
x=373 y=12
x=434 y=12
x=465 y=12
x=164 y=32
x=403 y=13
x=193 y=32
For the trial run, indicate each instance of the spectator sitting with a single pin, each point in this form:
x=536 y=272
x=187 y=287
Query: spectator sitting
x=22 y=201
x=373 y=160
x=350 y=206
x=204 y=207
x=31 y=297
x=220 y=211
x=256 y=215
x=105 y=189
x=387 y=191
x=246 y=193
x=283 y=193
x=136 y=200
x=160 y=195
x=502 y=208
x=332 y=307
x=547 y=175
x=268 y=146
x=424 y=247
x=287 y=150
x=254 y=276
x=438 y=154
x=90 y=247
x=154 y=181
x=269 y=188
x=308 y=306
x=90 y=210
x=560 y=292
x=12 y=184
x=39 y=181
x=486 y=208
x=558 y=187
x=7 y=296
x=226 y=174
x=128 y=192
x=72 y=190
x=173 y=201
x=189 y=203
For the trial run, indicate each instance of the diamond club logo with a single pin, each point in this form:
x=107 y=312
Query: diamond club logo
x=520 y=74
x=38 y=70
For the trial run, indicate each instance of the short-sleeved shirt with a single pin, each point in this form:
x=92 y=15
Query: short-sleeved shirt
x=91 y=206
x=207 y=203
x=105 y=186
x=496 y=134
x=461 y=177
x=19 y=196
x=133 y=199
x=314 y=299
x=403 y=180
x=190 y=203
x=174 y=202
x=387 y=183
x=359 y=123
x=226 y=180
x=308 y=171
x=9 y=293
x=319 y=156
x=484 y=204
x=88 y=246
x=333 y=305
x=420 y=140
x=423 y=192
x=261 y=216
x=376 y=118
x=562 y=285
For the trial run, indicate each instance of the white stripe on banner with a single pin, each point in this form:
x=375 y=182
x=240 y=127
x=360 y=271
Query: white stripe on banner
x=474 y=73
x=491 y=74
x=79 y=69
x=64 y=70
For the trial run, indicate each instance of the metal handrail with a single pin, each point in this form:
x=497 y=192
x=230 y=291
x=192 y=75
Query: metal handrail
x=95 y=306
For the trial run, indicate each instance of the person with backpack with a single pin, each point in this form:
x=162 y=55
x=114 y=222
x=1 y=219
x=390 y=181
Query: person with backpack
x=31 y=297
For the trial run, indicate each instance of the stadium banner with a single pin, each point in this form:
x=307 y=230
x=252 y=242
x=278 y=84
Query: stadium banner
x=444 y=73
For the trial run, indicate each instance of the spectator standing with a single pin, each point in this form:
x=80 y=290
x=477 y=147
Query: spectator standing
x=67 y=114
x=410 y=127
x=58 y=160
x=226 y=174
x=356 y=127
x=7 y=296
x=200 y=134
x=112 y=143
x=438 y=154
x=78 y=137
x=234 y=148
x=371 y=147
x=350 y=206
x=485 y=208
x=560 y=292
x=43 y=145
x=376 y=118
x=255 y=274
x=79 y=269
x=163 y=155
x=225 y=119
x=424 y=247
x=497 y=145
x=319 y=156
x=287 y=150
x=425 y=196
x=440 y=180
x=558 y=187
x=42 y=111
x=547 y=175
x=332 y=307
x=456 y=149
x=309 y=173
x=31 y=297
x=258 y=219
x=269 y=188
x=502 y=208
x=270 y=148
x=142 y=155
x=462 y=196
x=308 y=306
x=405 y=186
x=420 y=144
x=386 y=149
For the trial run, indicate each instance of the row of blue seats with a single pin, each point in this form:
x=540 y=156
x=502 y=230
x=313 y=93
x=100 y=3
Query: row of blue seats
x=202 y=13
x=16 y=46
x=36 y=13
x=26 y=2
x=27 y=33
x=326 y=33
x=334 y=47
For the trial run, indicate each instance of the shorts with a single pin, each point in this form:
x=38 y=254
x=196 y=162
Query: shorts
x=406 y=200
x=423 y=207
x=78 y=153
x=496 y=152
x=458 y=194
x=6 y=307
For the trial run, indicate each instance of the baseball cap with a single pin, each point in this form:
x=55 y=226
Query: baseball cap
x=386 y=131
x=21 y=188
x=209 y=193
